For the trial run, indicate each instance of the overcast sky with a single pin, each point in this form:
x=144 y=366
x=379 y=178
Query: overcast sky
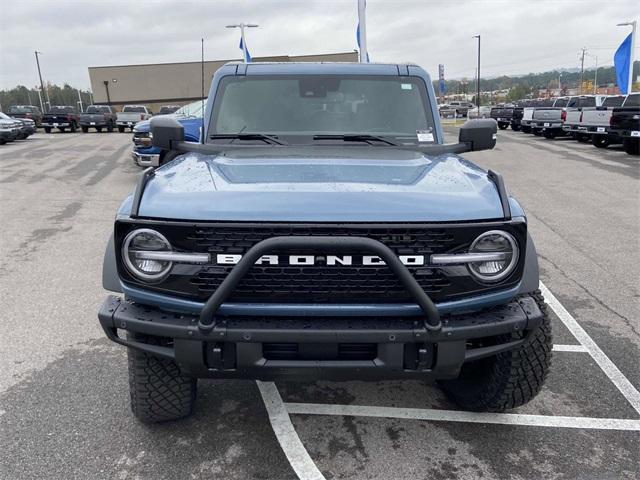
x=517 y=36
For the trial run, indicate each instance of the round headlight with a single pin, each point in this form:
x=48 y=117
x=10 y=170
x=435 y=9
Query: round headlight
x=137 y=255
x=494 y=241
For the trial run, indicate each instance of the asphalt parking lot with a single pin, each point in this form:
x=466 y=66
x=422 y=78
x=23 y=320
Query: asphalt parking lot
x=63 y=386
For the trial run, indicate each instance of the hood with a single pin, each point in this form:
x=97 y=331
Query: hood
x=321 y=184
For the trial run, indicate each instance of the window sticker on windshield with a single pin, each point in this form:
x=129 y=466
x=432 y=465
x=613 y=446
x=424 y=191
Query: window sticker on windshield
x=406 y=86
x=424 y=136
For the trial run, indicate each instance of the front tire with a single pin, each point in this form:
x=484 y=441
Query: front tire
x=600 y=141
x=631 y=146
x=506 y=380
x=503 y=126
x=159 y=392
x=515 y=128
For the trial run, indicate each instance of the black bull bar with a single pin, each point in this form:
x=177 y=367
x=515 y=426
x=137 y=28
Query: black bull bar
x=336 y=244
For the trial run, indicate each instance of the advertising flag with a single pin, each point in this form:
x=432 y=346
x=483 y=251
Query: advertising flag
x=622 y=61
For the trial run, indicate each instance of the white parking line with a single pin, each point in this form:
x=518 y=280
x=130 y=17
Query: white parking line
x=468 y=417
x=570 y=348
x=290 y=443
x=608 y=367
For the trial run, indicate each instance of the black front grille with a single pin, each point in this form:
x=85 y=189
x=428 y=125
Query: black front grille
x=321 y=283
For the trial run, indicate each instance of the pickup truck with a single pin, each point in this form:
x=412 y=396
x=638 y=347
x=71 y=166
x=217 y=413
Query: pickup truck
x=62 y=118
x=130 y=115
x=98 y=117
x=573 y=114
x=526 y=122
x=324 y=230
x=461 y=108
x=503 y=115
x=548 y=120
x=9 y=129
x=516 y=117
x=26 y=126
x=593 y=122
x=625 y=124
x=26 y=111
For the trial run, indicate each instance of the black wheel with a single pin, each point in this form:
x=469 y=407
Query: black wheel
x=159 y=392
x=583 y=137
x=110 y=128
x=84 y=128
x=62 y=129
x=99 y=129
x=515 y=128
x=73 y=127
x=600 y=141
x=47 y=129
x=2 y=141
x=549 y=134
x=536 y=131
x=631 y=146
x=120 y=129
x=503 y=126
x=506 y=380
x=526 y=129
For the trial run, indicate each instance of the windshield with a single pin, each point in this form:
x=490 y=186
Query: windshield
x=561 y=102
x=632 y=101
x=20 y=109
x=322 y=104
x=192 y=109
x=94 y=109
x=133 y=109
x=613 y=101
x=61 y=110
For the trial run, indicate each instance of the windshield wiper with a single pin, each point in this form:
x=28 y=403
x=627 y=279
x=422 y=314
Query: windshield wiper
x=357 y=137
x=248 y=136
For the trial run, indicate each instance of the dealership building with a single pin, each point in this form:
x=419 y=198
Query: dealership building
x=173 y=83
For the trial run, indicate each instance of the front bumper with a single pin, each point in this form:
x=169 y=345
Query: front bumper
x=322 y=348
x=146 y=159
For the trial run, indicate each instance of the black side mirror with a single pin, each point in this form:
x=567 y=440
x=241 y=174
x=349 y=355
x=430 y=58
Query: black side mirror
x=479 y=134
x=165 y=131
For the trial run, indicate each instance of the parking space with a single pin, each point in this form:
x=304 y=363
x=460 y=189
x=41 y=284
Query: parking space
x=63 y=387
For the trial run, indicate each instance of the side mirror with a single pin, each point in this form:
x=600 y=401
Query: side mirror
x=479 y=134
x=165 y=131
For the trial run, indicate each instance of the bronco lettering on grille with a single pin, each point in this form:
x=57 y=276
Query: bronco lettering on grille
x=330 y=260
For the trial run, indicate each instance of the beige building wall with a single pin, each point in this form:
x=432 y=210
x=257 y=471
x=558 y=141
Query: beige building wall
x=172 y=83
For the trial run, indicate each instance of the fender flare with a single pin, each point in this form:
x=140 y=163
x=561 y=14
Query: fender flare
x=531 y=274
x=110 y=278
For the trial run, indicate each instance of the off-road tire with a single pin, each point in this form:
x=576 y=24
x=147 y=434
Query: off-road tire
x=47 y=129
x=506 y=380
x=600 y=141
x=159 y=392
x=120 y=129
x=631 y=146
x=84 y=129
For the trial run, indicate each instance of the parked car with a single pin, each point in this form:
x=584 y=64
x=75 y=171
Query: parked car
x=592 y=122
x=252 y=255
x=625 y=124
x=26 y=126
x=26 y=111
x=503 y=115
x=61 y=117
x=9 y=129
x=526 y=121
x=573 y=114
x=548 y=120
x=167 y=109
x=446 y=111
x=462 y=108
x=483 y=112
x=98 y=117
x=146 y=155
x=130 y=115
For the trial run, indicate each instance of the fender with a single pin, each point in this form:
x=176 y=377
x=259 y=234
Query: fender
x=110 y=279
x=531 y=274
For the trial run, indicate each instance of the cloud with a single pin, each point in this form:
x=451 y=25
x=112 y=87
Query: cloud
x=517 y=36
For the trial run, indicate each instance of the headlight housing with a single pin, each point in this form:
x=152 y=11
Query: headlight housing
x=494 y=241
x=137 y=254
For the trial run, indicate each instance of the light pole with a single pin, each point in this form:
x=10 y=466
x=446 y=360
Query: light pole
x=242 y=26
x=633 y=46
x=559 y=83
x=478 y=84
x=42 y=84
x=362 y=30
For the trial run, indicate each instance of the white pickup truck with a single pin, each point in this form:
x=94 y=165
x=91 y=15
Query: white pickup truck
x=130 y=115
x=593 y=122
x=573 y=115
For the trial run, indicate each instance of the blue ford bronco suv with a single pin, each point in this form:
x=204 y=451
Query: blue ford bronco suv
x=324 y=230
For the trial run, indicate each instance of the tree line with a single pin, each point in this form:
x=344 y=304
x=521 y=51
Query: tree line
x=65 y=95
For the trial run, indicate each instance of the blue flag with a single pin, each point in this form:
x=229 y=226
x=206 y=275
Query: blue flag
x=358 y=40
x=622 y=61
x=248 y=56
